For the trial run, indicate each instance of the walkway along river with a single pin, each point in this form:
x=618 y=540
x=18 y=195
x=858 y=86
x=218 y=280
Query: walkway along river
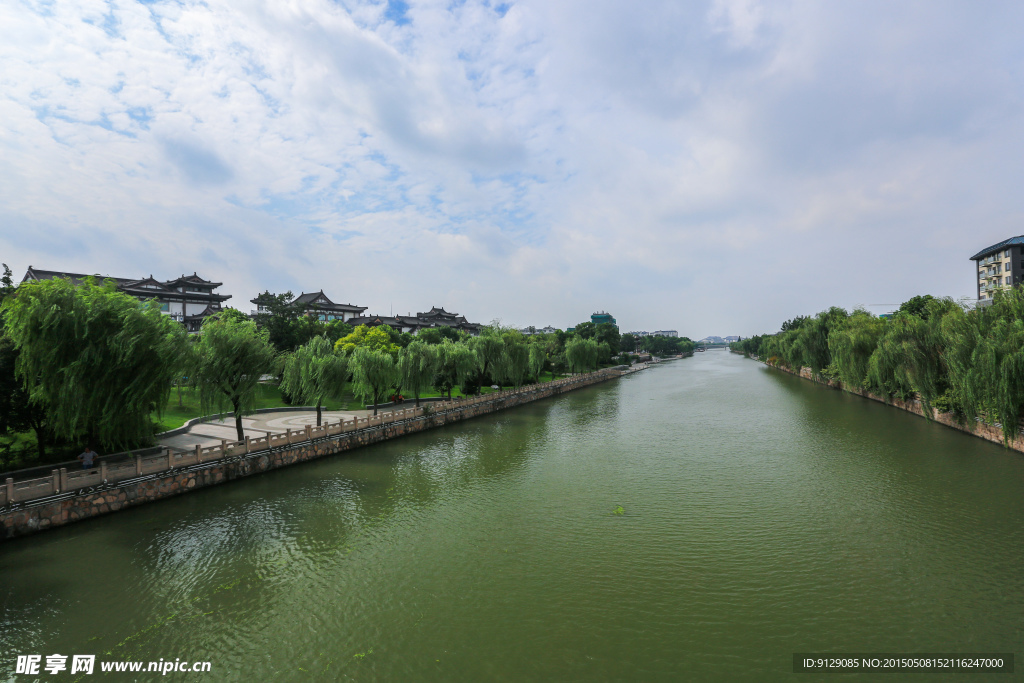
x=701 y=520
x=33 y=505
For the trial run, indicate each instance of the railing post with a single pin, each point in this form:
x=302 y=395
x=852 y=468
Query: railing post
x=63 y=479
x=170 y=459
x=10 y=490
x=309 y=432
x=247 y=443
x=56 y=484
x=138 y=465
x=103 y=471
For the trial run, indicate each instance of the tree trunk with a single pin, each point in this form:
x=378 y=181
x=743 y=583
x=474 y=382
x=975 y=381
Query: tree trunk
x=318 y=423
x=376 y=396
x=238 y=422
x=417 y=399
x=40 y=443
x=179 y=393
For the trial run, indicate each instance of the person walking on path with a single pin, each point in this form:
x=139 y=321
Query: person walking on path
x=86 y=457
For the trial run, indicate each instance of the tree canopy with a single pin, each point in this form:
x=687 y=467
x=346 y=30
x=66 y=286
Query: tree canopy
x=374 y=371
x=377 y=338
x=315 y=373
x=99 y=360
x=455 y=363
x=416 y=366
x=228 y=361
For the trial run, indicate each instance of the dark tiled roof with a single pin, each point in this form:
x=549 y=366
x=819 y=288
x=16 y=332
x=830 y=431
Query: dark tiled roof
x=311 y=297
x=76 y=278
x=1019 y=239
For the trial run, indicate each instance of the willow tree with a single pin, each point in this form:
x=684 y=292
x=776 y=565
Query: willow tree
x=315 y=373
x=985 y=359
x=229 y=359
x=416 y=365
x=514 y=363
x=581 y=354
x=456 y=363
x=852 y=344
x=488 y=349
x=99 y=361
x=374 y=371
x=810 y=344
x=537 y=359
x=910 y=354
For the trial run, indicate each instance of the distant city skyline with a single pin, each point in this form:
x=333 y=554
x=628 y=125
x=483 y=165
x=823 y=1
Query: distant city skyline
x=722 y=165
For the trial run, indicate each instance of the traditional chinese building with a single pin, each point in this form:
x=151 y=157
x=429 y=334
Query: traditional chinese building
x=188 y=299
x=435 y=317
x=315 y=304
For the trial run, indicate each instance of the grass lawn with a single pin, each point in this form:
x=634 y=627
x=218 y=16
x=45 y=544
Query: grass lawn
x=22 y=446
x=176 y=415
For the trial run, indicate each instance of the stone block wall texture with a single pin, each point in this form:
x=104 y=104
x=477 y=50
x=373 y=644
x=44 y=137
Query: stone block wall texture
x=28 y=519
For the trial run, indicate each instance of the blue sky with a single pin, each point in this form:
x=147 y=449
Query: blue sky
x=712 y=167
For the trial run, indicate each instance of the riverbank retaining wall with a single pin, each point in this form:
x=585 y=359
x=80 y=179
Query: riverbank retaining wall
x=20 y=519
x=993 y=433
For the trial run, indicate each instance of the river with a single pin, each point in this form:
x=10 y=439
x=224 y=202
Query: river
x=700 y=520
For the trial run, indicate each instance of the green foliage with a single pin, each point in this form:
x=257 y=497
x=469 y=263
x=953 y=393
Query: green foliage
x=586 y=330
x=909 y=357
x=455 y=363
x=810 y=342
x=917 y=306
x=416 y=366
x=954 y=359
x=514 y=364
x=289 y=327
x=18 y=413
x=233 y=314
x=852 y=344
x=581 y=354
x=314 y=373
x=607 y=333
x=373 y=371
x=751 y=346
x=430 y=336
x=377 y=338
x=489 y=350
x=538 y=358
x=666 y=346
x=795 y=323
x=228 y=361
x=985 y=357
x=98 y=360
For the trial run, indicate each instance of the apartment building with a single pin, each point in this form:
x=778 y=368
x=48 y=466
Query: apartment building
x=999 y=267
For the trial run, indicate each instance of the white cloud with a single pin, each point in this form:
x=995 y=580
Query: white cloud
x=714 y=167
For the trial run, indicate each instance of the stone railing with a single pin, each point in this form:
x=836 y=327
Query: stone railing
x=63 y=481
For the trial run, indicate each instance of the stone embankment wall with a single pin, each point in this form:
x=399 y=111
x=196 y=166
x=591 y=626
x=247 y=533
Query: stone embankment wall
x=979 y=429
x=22 y=519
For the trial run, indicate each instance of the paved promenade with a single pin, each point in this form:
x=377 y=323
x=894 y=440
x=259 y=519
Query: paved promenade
x=261 y=424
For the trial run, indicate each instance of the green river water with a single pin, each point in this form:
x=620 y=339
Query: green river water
x=700 y=520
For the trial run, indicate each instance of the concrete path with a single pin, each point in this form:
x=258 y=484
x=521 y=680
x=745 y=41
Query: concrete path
x=213 y=432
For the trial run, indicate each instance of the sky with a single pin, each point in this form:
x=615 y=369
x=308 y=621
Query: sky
x=711 y=167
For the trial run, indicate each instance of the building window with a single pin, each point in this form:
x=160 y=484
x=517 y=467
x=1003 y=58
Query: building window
x=165 y=307
x=1007 y=280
